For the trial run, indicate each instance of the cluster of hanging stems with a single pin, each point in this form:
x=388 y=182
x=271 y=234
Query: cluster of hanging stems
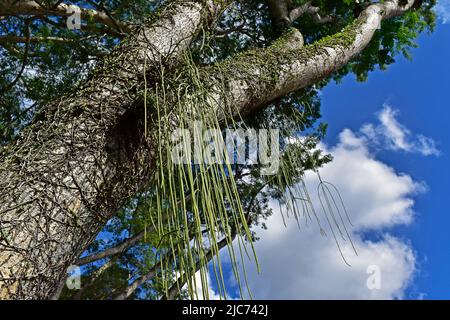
x=197 y=208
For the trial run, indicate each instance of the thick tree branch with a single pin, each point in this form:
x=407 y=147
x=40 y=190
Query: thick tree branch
x=122 y=246
x=85 y=156
x=258 y=77
x=308 y=8
x=100 y=30
x=150 y=274
x=283 y=13
x=17 y=8
x=119 y=248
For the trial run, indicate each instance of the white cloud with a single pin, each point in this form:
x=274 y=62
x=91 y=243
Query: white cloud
x=391 y=134
x=302 y=264
x=442 y=9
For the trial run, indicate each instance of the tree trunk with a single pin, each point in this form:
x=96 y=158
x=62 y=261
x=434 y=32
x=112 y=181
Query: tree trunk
x=84 y=155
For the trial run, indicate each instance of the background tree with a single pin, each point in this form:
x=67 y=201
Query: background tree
x=86 y=115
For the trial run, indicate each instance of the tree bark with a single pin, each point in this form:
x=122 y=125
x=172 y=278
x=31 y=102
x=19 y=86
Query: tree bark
x=84 y=156
x=258 y=77
x=14 y=7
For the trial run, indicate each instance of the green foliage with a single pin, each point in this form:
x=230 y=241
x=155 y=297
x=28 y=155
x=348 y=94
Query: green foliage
x=197 y=202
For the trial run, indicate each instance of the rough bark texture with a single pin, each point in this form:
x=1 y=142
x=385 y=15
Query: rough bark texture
x=82 y=158
x=14 y=7
x=279 y=13
x=84 y=155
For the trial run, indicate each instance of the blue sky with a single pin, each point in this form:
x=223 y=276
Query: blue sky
x=420 y=90
x=391 y=142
